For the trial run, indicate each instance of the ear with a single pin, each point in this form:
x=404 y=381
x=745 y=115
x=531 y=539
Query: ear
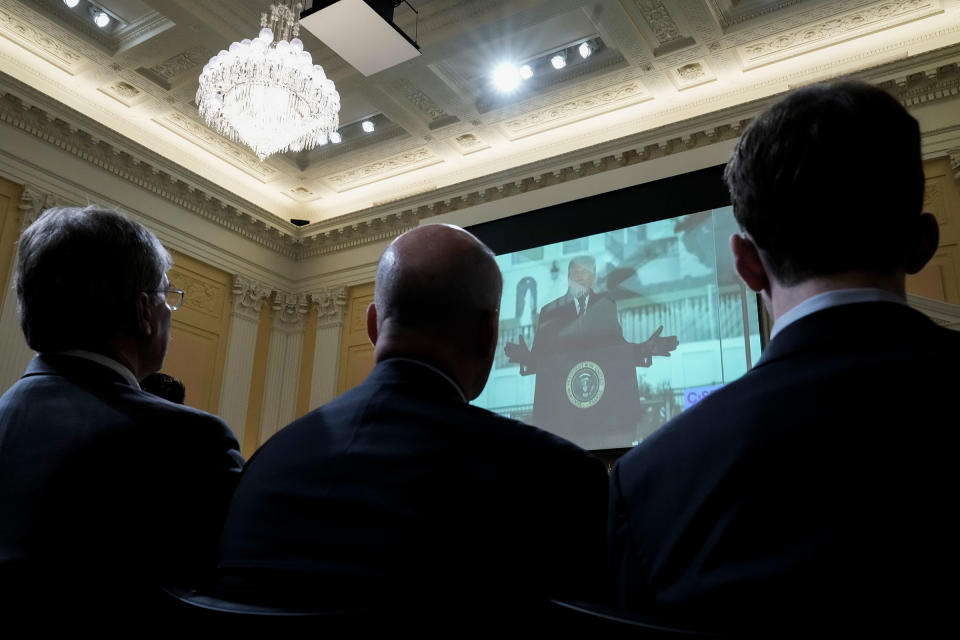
x=747 y=262
x=145 y=311
x=372 y=331
x=924 y=243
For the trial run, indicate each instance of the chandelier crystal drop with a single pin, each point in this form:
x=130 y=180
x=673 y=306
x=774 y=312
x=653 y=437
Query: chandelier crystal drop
x=266 y=93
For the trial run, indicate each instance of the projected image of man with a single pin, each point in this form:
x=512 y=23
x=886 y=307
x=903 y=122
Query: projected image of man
x=586 y=378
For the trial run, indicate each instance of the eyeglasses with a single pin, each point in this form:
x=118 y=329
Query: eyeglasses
x=172 y=297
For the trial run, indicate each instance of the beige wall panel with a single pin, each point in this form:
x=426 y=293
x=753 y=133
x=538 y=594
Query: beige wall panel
x=356 y=352
x=9 y=230
x=191 y=360
x=940 y=279
x=357 y=365
x=199 y=336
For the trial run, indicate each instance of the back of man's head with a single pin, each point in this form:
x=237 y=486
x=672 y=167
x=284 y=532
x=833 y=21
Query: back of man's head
x=437 y=296
x=79 y=271
x=829 y=180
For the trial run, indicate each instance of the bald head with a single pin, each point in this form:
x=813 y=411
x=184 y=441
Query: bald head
x=437 y=299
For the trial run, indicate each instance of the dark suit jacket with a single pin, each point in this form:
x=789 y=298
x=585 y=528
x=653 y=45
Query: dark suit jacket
x=400 y=489
x=821 y=482
x=105 y=490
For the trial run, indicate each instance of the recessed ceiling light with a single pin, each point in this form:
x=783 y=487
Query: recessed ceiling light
x=100 y=17
x=585 y=50
x=506 y=77
x=335 y=137
x=559 y=61
x=367 y=126
x=526 y=72
x=71 y=3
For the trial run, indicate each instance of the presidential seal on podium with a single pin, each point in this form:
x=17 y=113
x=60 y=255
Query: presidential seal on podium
x=585 y=384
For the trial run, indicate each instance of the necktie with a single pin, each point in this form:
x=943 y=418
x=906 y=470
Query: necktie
x=582 y=300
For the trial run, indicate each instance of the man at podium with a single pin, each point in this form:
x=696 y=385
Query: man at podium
x=586 y=370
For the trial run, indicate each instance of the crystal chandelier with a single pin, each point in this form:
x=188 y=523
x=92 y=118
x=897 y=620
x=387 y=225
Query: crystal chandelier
x=266 y=93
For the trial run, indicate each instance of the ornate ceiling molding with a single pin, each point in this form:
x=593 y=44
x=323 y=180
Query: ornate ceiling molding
x=386 y=168
x=192 y=131
x=668 y=34
x=55 y=46
x=876 y=17
x=591 y=104
x=802 y=16
x=730 y=12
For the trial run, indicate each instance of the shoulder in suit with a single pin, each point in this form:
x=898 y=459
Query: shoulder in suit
x=102 y=481
x=794 y=492
x=400 y=487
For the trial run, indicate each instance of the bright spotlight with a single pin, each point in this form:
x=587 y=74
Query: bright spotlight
x=335 y=137
x=526 y=72
x=100 y=18
x=506 y=77
x=71 y=3
x=559 y=61
x=367 y=126
x=585 y=50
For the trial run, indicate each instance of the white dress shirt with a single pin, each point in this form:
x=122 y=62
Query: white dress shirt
x=829 y=299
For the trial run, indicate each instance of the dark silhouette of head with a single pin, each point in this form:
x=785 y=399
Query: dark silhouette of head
x=437 y=299
x=830 y=180
x=90 y=278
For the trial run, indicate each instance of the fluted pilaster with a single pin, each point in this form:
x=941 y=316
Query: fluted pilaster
x=248 y=298
x=283 y=362
x=331 y=308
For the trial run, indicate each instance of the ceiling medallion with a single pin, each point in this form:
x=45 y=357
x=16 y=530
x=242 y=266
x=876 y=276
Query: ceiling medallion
x=266 y=93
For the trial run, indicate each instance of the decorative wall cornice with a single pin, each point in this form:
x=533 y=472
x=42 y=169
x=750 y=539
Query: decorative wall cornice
x=36 y=114
x=248 y=297
x=331 y=306
x=921 y=88
x=924 y=80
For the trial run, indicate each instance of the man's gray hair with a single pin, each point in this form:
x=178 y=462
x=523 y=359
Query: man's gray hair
x=79 y=272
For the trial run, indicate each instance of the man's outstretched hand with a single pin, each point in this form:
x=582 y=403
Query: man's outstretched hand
x=657 y=345
x=518 y=353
